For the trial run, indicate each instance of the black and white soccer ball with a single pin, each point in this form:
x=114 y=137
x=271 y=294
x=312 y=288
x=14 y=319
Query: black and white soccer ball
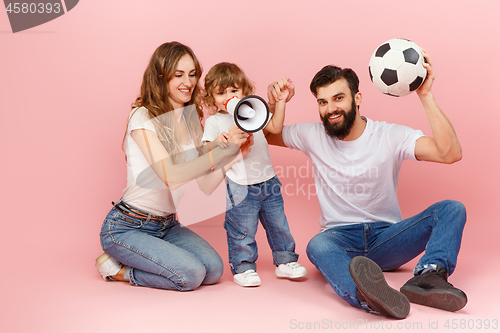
x=396 y=67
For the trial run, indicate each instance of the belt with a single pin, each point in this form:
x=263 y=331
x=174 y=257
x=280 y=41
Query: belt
x=132 y=212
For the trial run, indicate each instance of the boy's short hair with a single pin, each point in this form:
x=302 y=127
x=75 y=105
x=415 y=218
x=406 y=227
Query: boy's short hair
x=221 y=76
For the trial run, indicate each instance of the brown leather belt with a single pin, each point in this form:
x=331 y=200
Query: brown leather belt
x=132 y=212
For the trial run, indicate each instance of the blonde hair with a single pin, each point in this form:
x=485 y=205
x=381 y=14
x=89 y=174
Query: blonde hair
x=154 y=97
x=221 y=76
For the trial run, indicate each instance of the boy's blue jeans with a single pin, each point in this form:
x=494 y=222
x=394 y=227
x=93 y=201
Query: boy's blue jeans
x=245 y=205
x=437 y=230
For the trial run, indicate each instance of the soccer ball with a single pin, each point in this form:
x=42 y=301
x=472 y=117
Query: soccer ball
x=396 y=67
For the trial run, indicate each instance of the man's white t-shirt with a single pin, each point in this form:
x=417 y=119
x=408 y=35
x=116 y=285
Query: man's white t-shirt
x=144 y=189
x=256 y=166
x=356 y=181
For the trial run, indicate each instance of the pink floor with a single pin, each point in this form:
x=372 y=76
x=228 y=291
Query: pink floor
x=67 y=295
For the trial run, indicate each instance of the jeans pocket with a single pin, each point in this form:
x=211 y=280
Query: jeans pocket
x=235 y=193
x=234 y=230
x=127 y=221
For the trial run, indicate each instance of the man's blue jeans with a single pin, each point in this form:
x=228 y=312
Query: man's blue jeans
x=245 y=205
x=160 y=254
x=437 y=230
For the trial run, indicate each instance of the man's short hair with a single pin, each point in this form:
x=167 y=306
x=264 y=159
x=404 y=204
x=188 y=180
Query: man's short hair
x=329 y=74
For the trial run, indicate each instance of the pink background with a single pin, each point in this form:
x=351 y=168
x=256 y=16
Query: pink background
x=66 y=87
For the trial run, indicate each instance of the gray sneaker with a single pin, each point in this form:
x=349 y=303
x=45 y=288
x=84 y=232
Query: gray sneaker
x=375 y=291
x=433 y=289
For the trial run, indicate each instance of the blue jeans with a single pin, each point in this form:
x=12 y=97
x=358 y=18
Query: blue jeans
x=437 y=230
x=160 y=254
x=245 y=205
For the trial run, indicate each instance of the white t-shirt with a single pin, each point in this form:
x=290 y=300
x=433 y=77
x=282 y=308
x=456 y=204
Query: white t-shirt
x=144 y=189
x=256 y=166
x=356 y=181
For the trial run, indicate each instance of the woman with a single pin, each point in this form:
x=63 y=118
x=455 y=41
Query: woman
x=142 y=239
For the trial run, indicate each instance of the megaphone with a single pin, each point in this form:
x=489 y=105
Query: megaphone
x=251 y=113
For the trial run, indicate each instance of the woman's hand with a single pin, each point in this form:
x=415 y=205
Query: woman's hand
x=247 y=146
x=222 y=140
x=240 y=139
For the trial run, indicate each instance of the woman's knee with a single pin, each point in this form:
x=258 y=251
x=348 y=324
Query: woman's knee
x=205 y=272
x=214 y=270
x=191 y=278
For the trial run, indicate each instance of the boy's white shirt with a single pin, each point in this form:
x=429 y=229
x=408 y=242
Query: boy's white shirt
x=256 y=166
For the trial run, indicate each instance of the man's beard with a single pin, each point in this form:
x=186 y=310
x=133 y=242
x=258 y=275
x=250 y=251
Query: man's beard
x=342 y=130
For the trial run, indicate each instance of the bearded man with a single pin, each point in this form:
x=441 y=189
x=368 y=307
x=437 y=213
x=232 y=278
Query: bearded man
x=357 y=162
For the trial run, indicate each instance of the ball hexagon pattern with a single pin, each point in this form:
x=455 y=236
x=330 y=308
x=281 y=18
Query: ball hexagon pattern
x=396 y=67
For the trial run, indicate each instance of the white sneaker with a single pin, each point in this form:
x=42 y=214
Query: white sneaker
x=107 y=266
x=249 y=278
x=291 y=270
